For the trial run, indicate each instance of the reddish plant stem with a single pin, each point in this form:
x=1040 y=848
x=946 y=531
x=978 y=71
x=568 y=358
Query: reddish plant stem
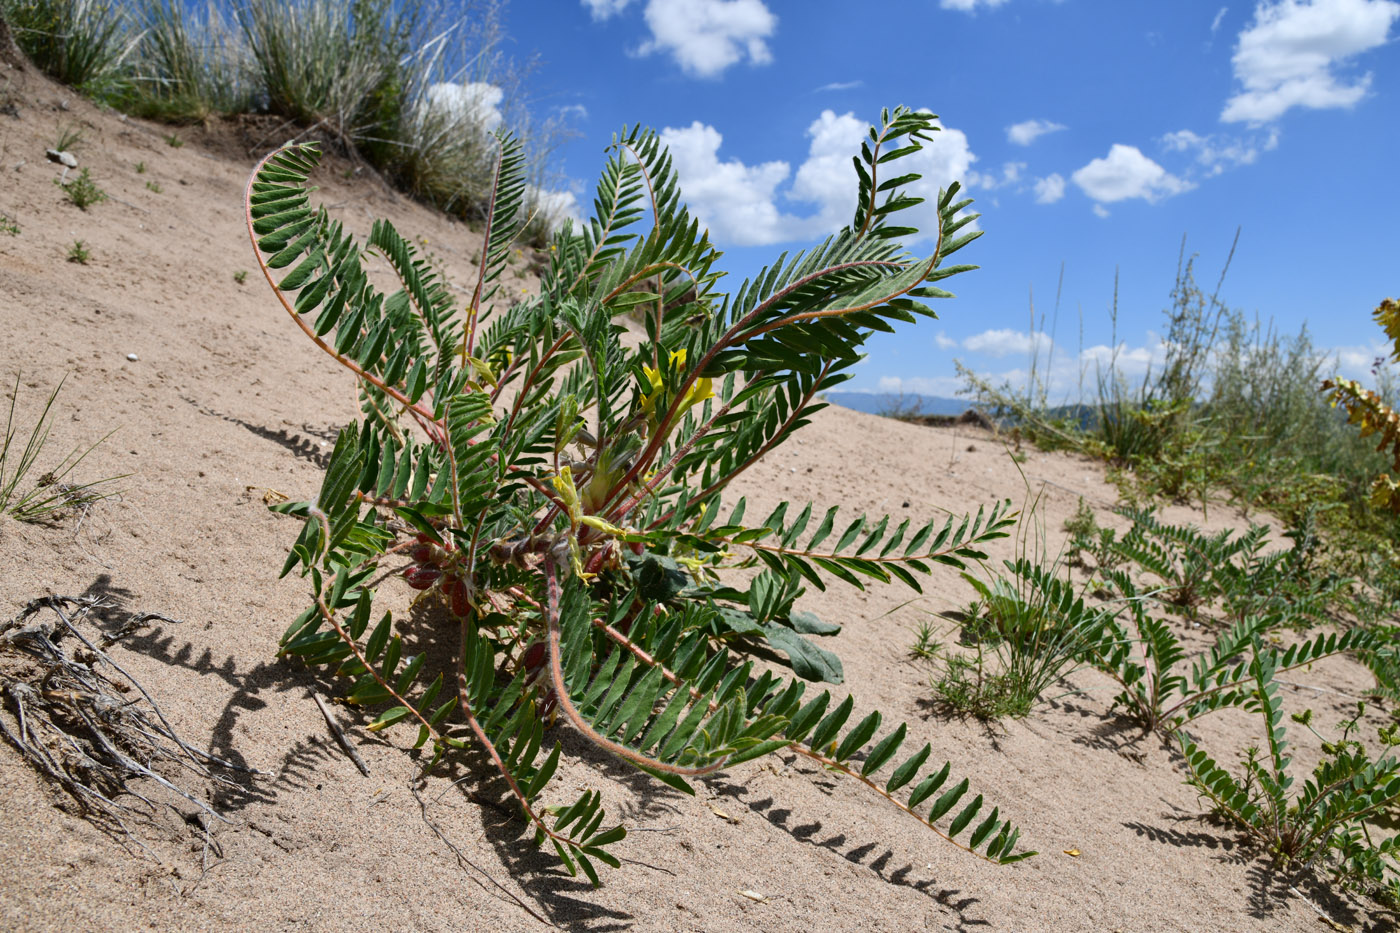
x=566 y=705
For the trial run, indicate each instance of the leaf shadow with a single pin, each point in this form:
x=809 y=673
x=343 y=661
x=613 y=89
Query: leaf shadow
x=882 y=864
x=1270 y=885
x=159 y=643
x=313 y=446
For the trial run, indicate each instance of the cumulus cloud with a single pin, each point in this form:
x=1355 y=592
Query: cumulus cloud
x=1289 y=55
x=1218 y=153
x=1359 y=362
x=922 y=385
x=554 y=206
x=1010 y=176
x=736 y=201
x=707 y=36
x=1028 y=131
x=1061 y=373
x=604 y=9
x=944 y=342
x=1049 y=189
x=740 y=203
x=827 y=179
x=1126 y=173
x=1005 y=342
x=476 y=102
x=969 y=6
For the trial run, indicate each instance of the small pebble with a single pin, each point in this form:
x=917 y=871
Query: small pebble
x=133 y=357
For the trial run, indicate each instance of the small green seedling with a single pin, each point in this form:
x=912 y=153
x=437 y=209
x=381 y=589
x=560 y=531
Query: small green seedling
x=82 y=191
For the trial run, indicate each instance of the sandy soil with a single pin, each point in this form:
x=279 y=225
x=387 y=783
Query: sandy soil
x=225 y=401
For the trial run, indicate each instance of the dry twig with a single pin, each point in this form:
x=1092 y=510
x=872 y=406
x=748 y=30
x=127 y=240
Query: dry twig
x=340 y=737
x=80 y=728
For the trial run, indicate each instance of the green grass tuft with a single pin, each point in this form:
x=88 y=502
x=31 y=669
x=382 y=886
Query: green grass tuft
x=51 y=493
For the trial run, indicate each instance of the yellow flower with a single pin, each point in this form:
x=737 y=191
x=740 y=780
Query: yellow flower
x=699 y=390
x=568 y=493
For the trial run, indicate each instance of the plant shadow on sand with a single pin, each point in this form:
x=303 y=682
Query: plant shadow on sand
x=440 y=799
x=313 y=446
x=858 y=854
x=160 y=644
x=464 y=797
x=1270 y=886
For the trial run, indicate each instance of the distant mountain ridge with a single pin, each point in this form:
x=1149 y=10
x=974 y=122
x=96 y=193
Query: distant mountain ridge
x=880 y=403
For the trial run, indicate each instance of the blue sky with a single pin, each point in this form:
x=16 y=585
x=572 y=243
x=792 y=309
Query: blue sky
x=1093 y=133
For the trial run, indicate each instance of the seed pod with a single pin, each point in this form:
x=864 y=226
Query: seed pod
x=455 y=589
x=547 y=703
x=534 y=656
x=420 y=577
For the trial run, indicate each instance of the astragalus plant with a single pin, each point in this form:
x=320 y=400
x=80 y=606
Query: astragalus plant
x=556 y=495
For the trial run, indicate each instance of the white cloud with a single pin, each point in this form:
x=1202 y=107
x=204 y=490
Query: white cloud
x=969 y=6
x=944 y=386
x=1026 y=132
x=1100 y=211
x=477 y=102
x=736 y=201
x=827 y=178
x=1130 y=363
x=1127 y=173
x=1287 y=57
x=1005 y=342
x=740 y=203
x=1182 y=140
x=1010 y=175
x=554 y=206
x=1061 y=374
x=707 y=36
x=574 y=111
x=1049 y=189
x=604 y=9
x=944 y=342
x=1357 y=362
x=1217 y=153
x=1215 y=23
x=840 y=86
